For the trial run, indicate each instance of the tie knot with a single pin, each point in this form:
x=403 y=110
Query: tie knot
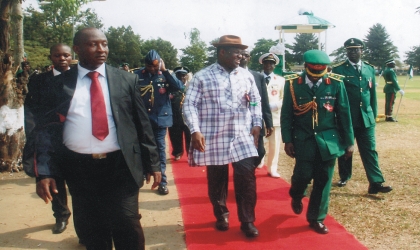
x=267 y=79
x=93 y=75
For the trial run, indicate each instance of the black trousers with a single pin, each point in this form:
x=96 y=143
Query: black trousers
x=59 y=202
x=176 y=133
x=245 y=189
x=105 y=201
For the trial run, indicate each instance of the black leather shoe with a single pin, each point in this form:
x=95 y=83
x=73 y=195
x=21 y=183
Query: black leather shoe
x=390 y=119
x=60 y=226
x=342 y=183
x=318 y=227
x=222 y=224
x=249 y=229
x=297 y=206
x=375 y=188
x=163 y=189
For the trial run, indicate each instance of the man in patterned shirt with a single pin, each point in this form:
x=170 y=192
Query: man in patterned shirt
x=223 y=112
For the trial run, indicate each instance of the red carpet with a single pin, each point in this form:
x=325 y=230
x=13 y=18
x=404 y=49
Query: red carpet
x=279 y=227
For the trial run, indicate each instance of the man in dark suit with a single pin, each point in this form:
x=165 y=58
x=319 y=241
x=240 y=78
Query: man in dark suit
x=60 y=56
x=100 y=137
x=267 y=128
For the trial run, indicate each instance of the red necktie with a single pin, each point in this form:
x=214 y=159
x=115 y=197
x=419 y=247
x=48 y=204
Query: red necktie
x=97 y=102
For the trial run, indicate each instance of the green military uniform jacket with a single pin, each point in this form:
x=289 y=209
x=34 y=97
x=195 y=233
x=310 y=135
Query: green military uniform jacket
x=361 y=91
x=333 y=133
x=391 y=82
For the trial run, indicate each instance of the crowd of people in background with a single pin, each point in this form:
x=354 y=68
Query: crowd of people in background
x=102 y=131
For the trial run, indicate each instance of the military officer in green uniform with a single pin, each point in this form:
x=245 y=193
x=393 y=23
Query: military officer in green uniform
x=359 y=80
x=390 y=89
x=316 y=129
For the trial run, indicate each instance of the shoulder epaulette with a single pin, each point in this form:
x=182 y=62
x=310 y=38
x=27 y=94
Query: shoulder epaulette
x=291 y=76
x=338 y=64
x=369 y=64
x=336 y=77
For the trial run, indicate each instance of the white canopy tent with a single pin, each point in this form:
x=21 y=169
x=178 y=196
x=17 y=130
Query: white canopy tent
x=305 y=22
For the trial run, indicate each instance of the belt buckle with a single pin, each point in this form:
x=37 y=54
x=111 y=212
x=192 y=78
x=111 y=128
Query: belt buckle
x=99 y=156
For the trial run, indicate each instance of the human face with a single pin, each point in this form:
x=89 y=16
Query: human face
x=268 y=67
x=245 y=59
x=126 y=68
x=354 y=54
x=182 y=77
x=61 y=58
x=93 y=49
x=152 y=69
x=230 y=58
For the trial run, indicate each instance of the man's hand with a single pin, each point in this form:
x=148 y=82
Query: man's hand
x=198 y=141
x=44 y=188
x=269 y=131
x=162 y=65
x=157 y=178
x=255 y=131
x=349 y=152
x=289 y=149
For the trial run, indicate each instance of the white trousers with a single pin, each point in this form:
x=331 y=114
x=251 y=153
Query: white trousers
x=273 y=150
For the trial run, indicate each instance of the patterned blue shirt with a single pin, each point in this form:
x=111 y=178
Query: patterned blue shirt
x=222 y=106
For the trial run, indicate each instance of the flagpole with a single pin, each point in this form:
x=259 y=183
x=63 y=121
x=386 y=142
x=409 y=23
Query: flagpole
x=406 y=79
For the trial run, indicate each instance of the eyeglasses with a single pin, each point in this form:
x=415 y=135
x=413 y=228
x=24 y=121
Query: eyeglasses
x=235 y=51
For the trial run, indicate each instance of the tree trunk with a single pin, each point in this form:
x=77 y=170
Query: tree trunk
x=12 y=137
x=17 y=32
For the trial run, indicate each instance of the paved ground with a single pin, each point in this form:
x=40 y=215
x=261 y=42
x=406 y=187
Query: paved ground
x=26 y=221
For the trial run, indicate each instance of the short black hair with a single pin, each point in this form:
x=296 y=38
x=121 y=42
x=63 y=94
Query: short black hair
x=58 y=45
x=77 y=39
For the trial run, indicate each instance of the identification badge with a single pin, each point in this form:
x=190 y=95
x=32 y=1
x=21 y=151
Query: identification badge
x=328 y=107
x=162 y=91
x=274 y=92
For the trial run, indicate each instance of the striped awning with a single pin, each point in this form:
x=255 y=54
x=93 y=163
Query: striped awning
x=305 y=22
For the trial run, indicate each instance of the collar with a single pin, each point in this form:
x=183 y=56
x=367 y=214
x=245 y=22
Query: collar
x=359 y=63
x=271 y=75
x=82 y=72
x=310 y=84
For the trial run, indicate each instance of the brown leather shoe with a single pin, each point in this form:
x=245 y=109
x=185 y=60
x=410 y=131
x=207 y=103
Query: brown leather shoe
x=297 y=206
x=222 y=224
x=318 y=227
x=249 y=229
x=375 y=188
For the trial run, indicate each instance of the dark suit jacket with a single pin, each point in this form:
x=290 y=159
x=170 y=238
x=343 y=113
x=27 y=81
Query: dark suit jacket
x=265 y=104
x=134 y=131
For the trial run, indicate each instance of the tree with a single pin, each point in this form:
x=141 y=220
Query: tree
x=413 y=56
x=88 y=18
x=124 y=46
x=378 y=46
x=194 y=56
x=211 y=53
x=339 y=54
x=303 y=42
x=165 y=49
x=262 y=46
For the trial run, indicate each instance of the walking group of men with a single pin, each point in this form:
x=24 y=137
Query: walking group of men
x=102 y=130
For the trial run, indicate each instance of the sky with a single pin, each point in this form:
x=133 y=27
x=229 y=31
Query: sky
x=172 y=20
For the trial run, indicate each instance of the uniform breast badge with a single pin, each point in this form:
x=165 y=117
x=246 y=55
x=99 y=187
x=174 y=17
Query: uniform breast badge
x=328 y=107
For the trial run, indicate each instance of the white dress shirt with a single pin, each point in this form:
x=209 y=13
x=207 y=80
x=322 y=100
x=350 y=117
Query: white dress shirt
x=77 y=135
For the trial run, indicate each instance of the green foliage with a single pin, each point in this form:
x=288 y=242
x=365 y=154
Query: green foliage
x=194 y=56
x=303 y=42
x=124 y=46
x=378 y=46
x=211 y=53
x=340 y=55
x=37 y=55
x=262 y=46
x=413 y=56
x=88 y=18
x=165 y=49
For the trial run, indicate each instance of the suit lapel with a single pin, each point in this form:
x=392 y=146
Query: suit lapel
x=114 y=85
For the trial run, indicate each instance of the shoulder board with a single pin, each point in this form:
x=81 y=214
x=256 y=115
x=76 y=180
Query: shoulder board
x=368 y=64
x=338 y=64
x=291 y=77
x=336 y=77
